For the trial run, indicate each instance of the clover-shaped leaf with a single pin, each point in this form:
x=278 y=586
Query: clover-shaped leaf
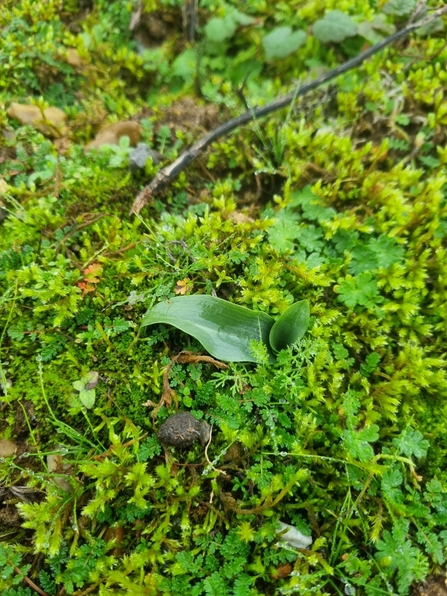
x=282 y=41
x=335 y=27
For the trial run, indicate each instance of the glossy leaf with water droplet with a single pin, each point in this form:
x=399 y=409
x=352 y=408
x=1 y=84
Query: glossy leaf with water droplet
x=224 y=329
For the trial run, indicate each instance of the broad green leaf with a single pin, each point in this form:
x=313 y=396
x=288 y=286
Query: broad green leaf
x=432 y=27
x=290 y=327
x=380 y=23
x=87 y=398
x=400 y=8
x=185 y=65
x=224 y=329
x=391 y=481
x=311 y=238
x=312 y=206
x=379 y=252
x=282 y=42
x=363 y=259
x=242 y=18
x=370 y=433
x=335 y=27
x=375 y=30
x=403 y=557
x=218 y=30
x=370 y=364
x=282 y=234
x=387 y=250
x=366 y=30
x=361 y=290
x=411 y=442
x=357 y=443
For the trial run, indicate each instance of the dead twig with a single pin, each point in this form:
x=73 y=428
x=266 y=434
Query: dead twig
x=208 y=459
x=169 y=394
x=30 y=582
x=190 y=17
x=230 y=502
x=170 y=172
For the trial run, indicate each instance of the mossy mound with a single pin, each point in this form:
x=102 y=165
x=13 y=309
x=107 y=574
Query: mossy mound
x=341 y=200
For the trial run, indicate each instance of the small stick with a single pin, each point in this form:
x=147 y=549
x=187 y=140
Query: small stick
x=170 y=172
x=31 y=583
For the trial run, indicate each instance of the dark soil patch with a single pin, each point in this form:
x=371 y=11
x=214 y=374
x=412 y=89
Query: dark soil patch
x=435 y=586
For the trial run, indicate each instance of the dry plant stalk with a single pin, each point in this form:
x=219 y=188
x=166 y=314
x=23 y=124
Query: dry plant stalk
x=169 y=394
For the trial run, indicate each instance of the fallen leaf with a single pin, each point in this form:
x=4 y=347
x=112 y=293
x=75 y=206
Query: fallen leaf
x=62 y=145
x=50 y=121
x=86 y=287
x=92 y=271
x=184 y=286
x=73 y=58
x=282 y=571
x=9 y=134
x=111 y=134
x=7 y=448
x=90 y=278
x=93 y=378
x=240 y=218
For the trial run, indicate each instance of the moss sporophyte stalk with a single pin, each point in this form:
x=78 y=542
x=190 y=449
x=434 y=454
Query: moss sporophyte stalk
x=241 y=390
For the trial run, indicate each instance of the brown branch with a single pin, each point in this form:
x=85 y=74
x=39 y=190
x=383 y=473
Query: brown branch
x=170 y=172
x=231 y=503
x=184 y=357
x=30 y=582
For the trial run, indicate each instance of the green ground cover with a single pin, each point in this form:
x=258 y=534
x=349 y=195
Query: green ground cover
x=339 y=200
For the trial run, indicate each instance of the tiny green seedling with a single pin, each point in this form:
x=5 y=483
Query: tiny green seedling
x=226 y=330
x=86 y=387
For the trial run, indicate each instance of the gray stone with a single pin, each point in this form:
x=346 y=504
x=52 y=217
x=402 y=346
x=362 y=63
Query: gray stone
x=140 y=155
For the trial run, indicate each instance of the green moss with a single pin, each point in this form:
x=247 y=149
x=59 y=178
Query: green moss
x=341 y=201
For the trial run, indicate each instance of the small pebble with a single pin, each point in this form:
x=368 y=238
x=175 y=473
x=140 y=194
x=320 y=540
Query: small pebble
x=182 y=430
x=140 y=155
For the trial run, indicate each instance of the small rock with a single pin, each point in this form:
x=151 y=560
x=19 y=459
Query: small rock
x=140 y=155
x=293 y=536
x=73 y=58
x=181 y=430
x=7 y=448
x=50 y=121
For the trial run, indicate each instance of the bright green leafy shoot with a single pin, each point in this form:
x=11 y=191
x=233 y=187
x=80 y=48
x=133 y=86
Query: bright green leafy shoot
x=226 y=330
x=290 y=327
x=86 y=387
